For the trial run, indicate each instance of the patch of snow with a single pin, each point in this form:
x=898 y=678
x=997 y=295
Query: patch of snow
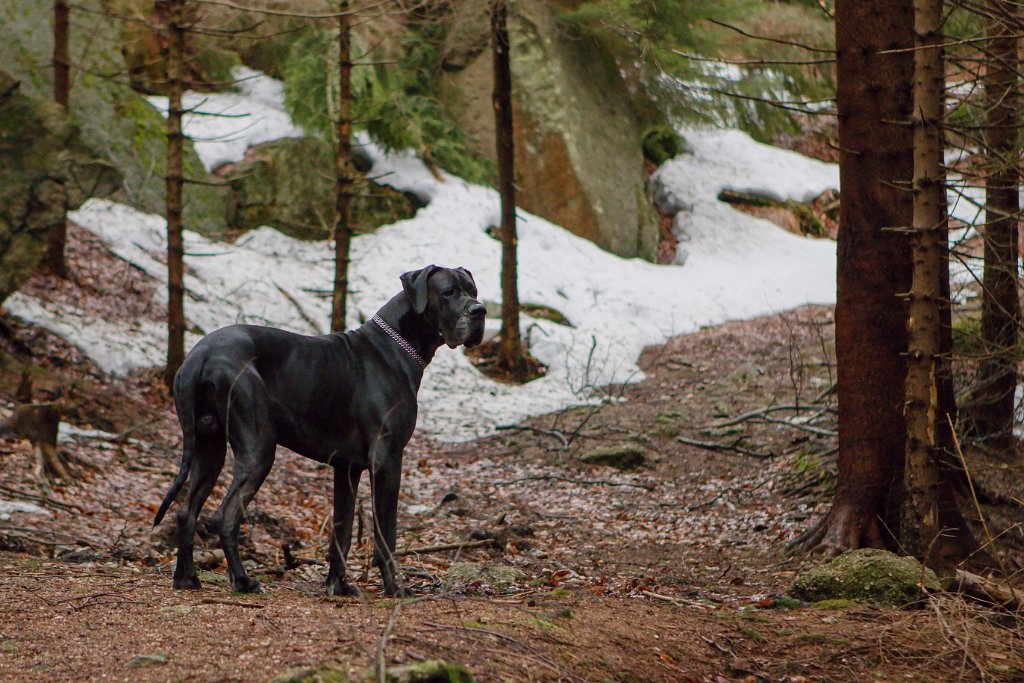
x=10 y=506
x=736 y=266
x=223 y=125
x=68 y=432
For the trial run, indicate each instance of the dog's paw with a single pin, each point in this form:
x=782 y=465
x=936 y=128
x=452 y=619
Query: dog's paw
x=188 y=583
x=341 y=588
x=246 y=584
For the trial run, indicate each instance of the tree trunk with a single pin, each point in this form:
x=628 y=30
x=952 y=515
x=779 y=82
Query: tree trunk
x=925 y=413
x=876 y=165
x=510 y=352
x=992 y=401
x=53 y=260
x=343 y=169
x=174 y=184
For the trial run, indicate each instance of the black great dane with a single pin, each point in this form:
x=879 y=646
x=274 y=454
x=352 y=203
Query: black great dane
x=346 y=399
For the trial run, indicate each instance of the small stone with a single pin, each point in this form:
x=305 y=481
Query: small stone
x=147 y=660
x=866 y=575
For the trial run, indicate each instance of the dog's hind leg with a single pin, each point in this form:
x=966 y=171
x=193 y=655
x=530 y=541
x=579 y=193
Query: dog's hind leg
x=251 y=435
x=208 y=463
x=346 y=483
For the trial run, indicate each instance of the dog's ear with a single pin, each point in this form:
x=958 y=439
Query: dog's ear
x=472 y=282
x=415 y=285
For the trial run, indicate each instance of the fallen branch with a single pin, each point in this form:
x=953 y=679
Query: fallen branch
x=712 y=446
x=585 y=482
x=46 y=500
x=805 y=427
x=444 y=547
x=553 y=433
x=760 y=412
x=987 y=590
x=230 y=603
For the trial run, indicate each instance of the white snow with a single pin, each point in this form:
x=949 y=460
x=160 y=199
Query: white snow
x=224 y=125
x=736 y=266
x=9 y=506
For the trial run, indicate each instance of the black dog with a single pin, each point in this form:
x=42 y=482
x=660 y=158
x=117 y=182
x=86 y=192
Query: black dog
x=347 y=399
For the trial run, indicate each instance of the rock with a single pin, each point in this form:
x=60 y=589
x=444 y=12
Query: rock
x=578 y=148
x=117 y=123
x=627 y=456
x=46 y=169
x=430 y=671
x=867 y=575
x=289 y=184
x=147 y=660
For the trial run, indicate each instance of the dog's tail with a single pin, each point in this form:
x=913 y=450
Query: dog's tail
x=184 y=398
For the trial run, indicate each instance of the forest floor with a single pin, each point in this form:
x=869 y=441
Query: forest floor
x=672 y=571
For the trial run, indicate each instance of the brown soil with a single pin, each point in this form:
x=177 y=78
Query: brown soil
x=670 y=572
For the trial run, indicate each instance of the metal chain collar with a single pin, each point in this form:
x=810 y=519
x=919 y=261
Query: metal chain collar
x=400 y=340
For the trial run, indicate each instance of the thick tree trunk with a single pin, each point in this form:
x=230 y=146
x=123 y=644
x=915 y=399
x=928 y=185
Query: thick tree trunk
x=343 y=169
x=175 y=181
x=925 y=417
x=992 y=401
x=876 y=164
x=510 y=352
x=54 y=261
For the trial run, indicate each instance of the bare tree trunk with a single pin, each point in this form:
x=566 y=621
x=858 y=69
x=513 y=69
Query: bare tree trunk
x=926 y=418
x=53 y=260
x=876 y=165
x=992 y=401
x=175 y=181
x=510 y=353
x=343 y=168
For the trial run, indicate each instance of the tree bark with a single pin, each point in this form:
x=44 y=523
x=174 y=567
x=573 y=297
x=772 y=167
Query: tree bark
x=343 y=169
x=174 y=184
x=925 y=410
x=510 y=351
x=876 y=165
x=992 y=404
x=54 y=261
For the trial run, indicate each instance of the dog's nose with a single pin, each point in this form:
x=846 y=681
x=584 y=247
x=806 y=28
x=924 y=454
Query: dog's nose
x=477 y=310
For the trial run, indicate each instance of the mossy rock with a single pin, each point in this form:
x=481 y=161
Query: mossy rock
x=323 y=673
x=289 y=184
x=627 y=456
x=430 y=671
x=867 y=575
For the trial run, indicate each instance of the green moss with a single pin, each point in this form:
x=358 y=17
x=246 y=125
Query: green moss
x=867 y=575
x=661 y=143
x=751 y=632
x=627 y=456
x=967 y=337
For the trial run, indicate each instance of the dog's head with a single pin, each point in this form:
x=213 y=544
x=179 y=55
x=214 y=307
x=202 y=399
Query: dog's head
x=446 y=298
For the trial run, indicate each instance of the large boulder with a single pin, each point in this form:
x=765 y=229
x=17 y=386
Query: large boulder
x=289 y=184
x=578 y=138
x=115 y=121
x=867 y=575
x=46 y=170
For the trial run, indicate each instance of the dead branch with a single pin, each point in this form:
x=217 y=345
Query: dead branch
x=733 y=447
x=444 y=547
x=584 y=482
x=301 y=311
x=989 y=591
x=761 y=412
x=45 y=500
x=553 y=433
x=231 y=603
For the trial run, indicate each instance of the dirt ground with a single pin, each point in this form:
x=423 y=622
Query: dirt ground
x=673 y=571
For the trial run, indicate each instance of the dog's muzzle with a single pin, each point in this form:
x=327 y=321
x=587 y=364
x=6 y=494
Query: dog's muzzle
x=469 y=330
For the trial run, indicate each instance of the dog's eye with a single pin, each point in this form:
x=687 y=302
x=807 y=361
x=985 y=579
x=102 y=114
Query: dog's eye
x=449 y=292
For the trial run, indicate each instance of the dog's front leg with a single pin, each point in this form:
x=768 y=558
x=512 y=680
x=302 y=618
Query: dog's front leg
x=346 y=483
x=386 y=478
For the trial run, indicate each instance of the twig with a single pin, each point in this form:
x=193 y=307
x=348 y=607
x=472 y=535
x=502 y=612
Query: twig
x=443 y=547
x=230 y=603
x=68 y=507
x=976 y=586
x=298 y=307
x=585 y=482
x=712 y=446
x=796 y=425
x=554 y=433
x=764 y=411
